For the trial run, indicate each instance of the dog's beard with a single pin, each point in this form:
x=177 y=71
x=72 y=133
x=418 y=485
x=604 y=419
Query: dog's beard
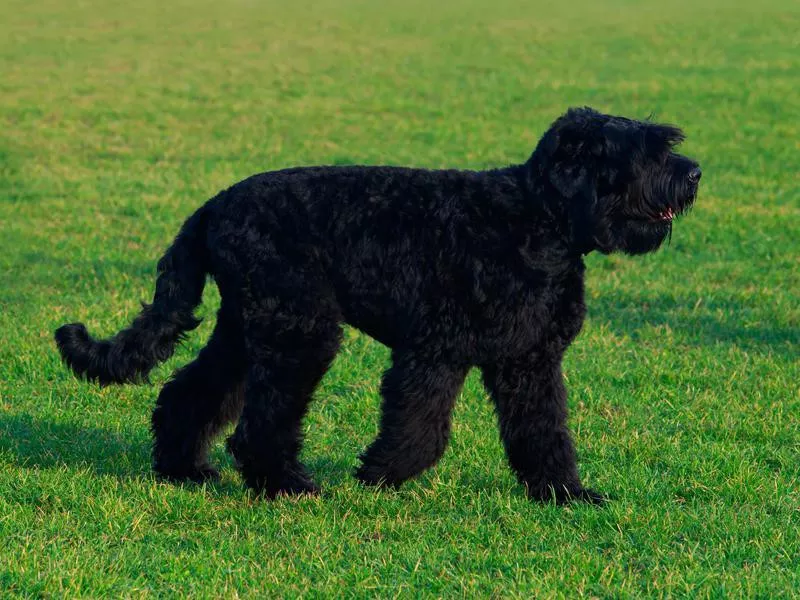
x=659 y=197
x=638 y=237
x=643 y=220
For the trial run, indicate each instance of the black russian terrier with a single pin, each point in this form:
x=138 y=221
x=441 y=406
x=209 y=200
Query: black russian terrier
x=450 y=269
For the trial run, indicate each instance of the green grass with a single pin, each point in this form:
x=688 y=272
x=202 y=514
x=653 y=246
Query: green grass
x=118 y=119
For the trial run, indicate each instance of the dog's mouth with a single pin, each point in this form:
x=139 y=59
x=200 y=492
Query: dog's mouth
x=666 y=215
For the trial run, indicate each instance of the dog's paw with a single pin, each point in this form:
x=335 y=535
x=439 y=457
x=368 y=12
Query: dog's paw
x=198 y=474
x=294 y=487
x=587 y=495
x=375 y=476
x=291 y=482
x=563 y=495
x=205 y=473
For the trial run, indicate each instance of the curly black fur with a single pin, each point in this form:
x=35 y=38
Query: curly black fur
x=450 y=269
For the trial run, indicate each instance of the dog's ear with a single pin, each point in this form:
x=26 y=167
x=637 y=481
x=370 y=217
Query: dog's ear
x=578 y=183
x=569 y=148
x=572 y=154
x=571 y=179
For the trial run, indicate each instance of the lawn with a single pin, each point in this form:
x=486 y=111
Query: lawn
x=118 y=119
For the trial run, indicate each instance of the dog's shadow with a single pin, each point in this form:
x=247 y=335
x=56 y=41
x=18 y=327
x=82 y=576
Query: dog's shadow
x=43 y=444
x=46 y=444
x=40 y=443
x=723 y=320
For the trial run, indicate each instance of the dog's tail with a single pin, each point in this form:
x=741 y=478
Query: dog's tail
x=129 y=356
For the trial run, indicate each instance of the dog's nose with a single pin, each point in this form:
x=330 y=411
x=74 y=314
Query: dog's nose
x=695 y=174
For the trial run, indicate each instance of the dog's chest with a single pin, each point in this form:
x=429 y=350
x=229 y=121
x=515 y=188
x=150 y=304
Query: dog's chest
x=541 y=309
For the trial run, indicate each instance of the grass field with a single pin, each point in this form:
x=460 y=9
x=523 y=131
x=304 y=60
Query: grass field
x=117 y=119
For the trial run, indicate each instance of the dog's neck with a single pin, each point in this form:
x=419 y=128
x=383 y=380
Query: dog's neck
x=543 y=203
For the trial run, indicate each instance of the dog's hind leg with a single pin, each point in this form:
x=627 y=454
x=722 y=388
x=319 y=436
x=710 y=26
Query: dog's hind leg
x=291 y=340
x=418 y=398
x=199 y=400
x=531 y=402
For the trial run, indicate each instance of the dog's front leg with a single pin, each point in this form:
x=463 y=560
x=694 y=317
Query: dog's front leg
x=530 y=399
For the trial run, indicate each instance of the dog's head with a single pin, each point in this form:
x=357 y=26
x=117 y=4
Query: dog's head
x=620 y=179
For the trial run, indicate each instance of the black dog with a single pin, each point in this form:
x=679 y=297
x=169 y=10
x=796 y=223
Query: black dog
x=450 y=269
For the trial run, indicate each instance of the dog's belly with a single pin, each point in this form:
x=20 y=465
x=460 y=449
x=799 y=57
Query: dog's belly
x=388 y=315
x=374 y=327
x=396 y=292
x=490 y=318
x=447 y=329
x=451 y=324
